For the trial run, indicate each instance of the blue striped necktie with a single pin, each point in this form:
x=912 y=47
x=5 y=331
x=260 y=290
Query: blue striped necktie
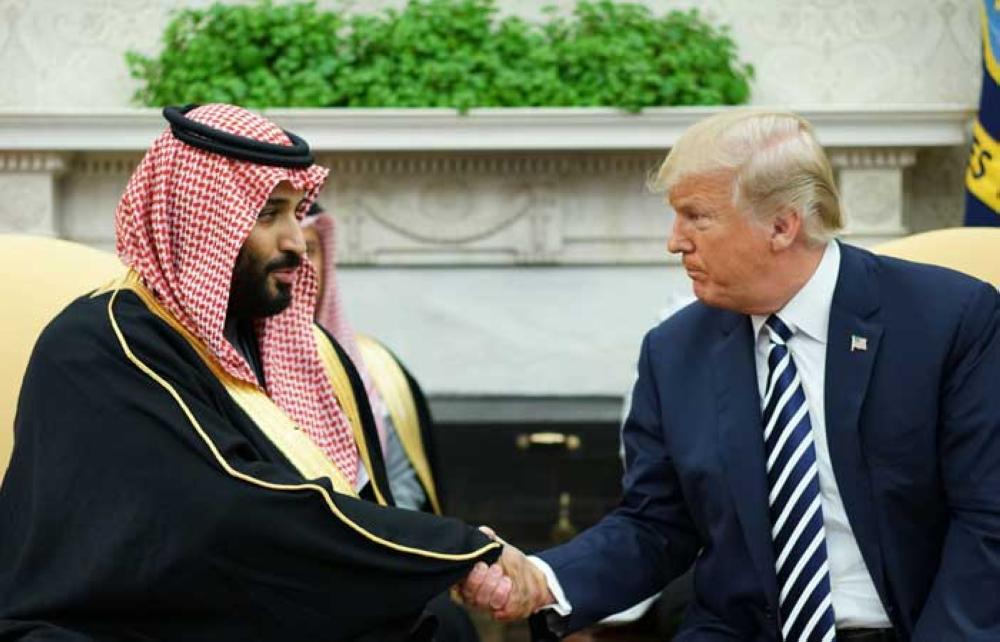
x=796 y=515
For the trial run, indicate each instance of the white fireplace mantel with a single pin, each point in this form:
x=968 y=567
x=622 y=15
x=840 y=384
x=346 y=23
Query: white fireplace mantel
x=522 y=129
x=494 y=186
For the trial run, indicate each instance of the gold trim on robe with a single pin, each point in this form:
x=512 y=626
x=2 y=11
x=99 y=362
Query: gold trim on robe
x=131 y=282
x=277 y=426
x=344 y=392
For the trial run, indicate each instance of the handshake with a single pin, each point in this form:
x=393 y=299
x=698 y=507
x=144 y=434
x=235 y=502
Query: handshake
x=511 y=589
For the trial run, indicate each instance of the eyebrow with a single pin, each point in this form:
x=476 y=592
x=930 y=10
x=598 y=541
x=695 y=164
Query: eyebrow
x=281 y=200
x=694 y=200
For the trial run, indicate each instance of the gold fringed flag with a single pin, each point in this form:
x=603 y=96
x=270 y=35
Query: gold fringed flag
x=982 y=176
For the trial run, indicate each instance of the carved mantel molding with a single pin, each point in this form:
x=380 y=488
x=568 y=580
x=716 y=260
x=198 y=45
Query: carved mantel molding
x=495 y=186
x=27 y=182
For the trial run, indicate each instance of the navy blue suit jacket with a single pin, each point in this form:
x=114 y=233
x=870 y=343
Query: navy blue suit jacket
x=913 y=424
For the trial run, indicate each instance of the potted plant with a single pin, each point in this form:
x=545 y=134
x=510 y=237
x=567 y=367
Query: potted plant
x=457 y=54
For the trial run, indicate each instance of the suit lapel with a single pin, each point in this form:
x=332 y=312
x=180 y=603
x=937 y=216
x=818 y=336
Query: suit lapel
x=741 y=441
x=853 y=324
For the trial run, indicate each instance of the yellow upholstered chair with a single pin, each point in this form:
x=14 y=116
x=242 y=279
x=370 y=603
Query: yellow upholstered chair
x=973 y=250
x=38 y=278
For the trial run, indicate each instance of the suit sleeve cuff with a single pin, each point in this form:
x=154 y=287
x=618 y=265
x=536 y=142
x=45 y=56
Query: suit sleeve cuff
x=561 y=605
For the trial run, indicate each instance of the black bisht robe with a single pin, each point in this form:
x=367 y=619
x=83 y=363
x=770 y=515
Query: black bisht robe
x=117 y=522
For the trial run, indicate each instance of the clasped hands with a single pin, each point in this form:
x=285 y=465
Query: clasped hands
x=511 y=589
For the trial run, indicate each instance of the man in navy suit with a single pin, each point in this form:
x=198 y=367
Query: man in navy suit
x=819 y=434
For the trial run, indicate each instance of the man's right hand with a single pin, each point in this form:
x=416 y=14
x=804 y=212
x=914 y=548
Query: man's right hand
x=511 y=589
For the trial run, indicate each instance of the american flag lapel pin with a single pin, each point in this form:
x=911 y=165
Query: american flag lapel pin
x=858 y=343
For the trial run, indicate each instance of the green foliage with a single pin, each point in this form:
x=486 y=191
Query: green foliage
x=441 y=53
x=620 y=54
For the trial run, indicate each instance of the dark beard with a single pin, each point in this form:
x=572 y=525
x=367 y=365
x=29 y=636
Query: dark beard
x=249 y=295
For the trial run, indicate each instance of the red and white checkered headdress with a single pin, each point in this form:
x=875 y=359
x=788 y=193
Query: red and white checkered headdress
x=181 y=222
x=330 y=313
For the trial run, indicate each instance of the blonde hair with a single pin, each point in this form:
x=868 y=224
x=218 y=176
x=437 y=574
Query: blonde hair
x=776 y=164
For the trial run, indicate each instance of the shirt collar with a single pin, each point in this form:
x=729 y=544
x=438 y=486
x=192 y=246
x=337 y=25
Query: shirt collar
x=809 y=310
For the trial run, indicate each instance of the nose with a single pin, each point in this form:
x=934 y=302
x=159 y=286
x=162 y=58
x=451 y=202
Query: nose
x=292 y=240
x=678 y=242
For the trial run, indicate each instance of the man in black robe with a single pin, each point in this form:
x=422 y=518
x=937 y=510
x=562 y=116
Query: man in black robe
x=181 y=469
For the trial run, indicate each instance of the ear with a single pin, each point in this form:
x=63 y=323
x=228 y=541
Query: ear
x=784 y=229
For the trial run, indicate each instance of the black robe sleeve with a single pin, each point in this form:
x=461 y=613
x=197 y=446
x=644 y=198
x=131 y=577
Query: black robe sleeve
x=118 y=522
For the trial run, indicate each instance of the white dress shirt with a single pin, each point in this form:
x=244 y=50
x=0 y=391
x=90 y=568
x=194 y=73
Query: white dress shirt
x=855 y=601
